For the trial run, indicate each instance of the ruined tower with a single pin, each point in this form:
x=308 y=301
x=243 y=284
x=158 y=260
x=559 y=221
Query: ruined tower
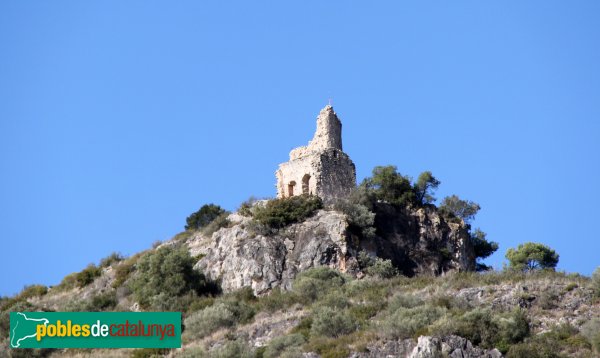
x=321 y=168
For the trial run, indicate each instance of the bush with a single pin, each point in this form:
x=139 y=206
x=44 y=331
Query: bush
x=204 y=216
x=359 y=217
x=407 y=322
x=246 y=207
x=219 y=222
x=591 y=331
x=202 y=323
x=316 y=282
x=284 y=346
x=383 y=269
x=124 y=270
x=482 y=327
x=103 y=302
x=278 y=213
x=532 y=256
x=596 y=282
x=277 y=299
x=329 y=322
x=166 y=274
x=88 y=275
x=149 y=352
x=238 y=349
x=111 y=259
x=33 y=291
x=534 y=349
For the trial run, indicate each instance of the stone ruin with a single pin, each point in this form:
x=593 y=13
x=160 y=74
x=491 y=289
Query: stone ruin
x=321 y=168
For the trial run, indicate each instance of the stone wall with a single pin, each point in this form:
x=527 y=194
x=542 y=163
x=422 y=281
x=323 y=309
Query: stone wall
x=321 y=168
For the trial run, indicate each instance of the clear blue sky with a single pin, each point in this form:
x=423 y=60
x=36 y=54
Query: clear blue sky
x=120 y=118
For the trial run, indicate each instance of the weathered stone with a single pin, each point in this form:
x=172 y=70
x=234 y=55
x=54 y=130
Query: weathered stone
x=239 y=257
x=321 y=168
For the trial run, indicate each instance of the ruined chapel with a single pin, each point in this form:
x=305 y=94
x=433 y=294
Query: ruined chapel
x=321 y=168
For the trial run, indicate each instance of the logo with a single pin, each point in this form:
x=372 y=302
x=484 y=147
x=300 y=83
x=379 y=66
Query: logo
x=95 y=329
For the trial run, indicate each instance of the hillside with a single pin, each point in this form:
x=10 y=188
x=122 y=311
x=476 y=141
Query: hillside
x=258 y=283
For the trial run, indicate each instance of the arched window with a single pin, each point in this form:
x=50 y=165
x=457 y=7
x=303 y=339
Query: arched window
x=305 y=182
x=291 y=186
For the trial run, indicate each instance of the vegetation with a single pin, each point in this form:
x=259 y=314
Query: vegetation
x=454 y=207
x=166 y=279
x=376 y=266
x=532 y=256
x=111 y=259
x=483 y=248
x=279 y=213
x=338 y=315
x=596 y=282
x=424 y=187
x=389 y=186
x=80 y=279
x=204 y=216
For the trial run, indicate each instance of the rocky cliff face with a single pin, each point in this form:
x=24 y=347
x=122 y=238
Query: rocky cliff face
x=418 y=242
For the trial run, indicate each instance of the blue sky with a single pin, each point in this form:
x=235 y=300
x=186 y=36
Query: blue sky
x=118 y=119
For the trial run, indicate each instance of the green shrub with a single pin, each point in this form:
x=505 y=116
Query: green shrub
x=404 y=301
x=246 y=208
x=277 y=300
x=383 y=269
x=202 y=323
x=123 y=270
x=219 y=222
x=316 y=282
x=285 y=346
x=167 y=274
x=359 y=217
x=484 y=328
x=111 y=259
x=408 y=322
x=278 y=213
x=238 y=349
x=596 y=282
x=33 y=291
x=192 y=352
x=303 y=327
x=335 y=299
x=204 y=216
x=103 y=302
x=591 y=331
x=87 y=275
x=534 y=349
x=329 y=322
x=149 y=353
x=222 y=314
x=329 y=347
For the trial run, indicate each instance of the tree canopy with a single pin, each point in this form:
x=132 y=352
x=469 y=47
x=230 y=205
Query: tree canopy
x=424 y=187
x=532 y=256
x=482 y=247
x=204 y=216
x=464 y=209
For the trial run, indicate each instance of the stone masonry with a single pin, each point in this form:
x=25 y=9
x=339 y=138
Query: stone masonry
x=321 y=168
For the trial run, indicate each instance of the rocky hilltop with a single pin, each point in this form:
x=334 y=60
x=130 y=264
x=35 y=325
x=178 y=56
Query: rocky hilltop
x=332 y=269
x=416 y=241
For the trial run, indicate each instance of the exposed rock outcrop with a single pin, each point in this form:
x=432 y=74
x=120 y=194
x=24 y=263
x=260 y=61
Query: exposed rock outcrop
x=418 y=242
x=428 y=347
